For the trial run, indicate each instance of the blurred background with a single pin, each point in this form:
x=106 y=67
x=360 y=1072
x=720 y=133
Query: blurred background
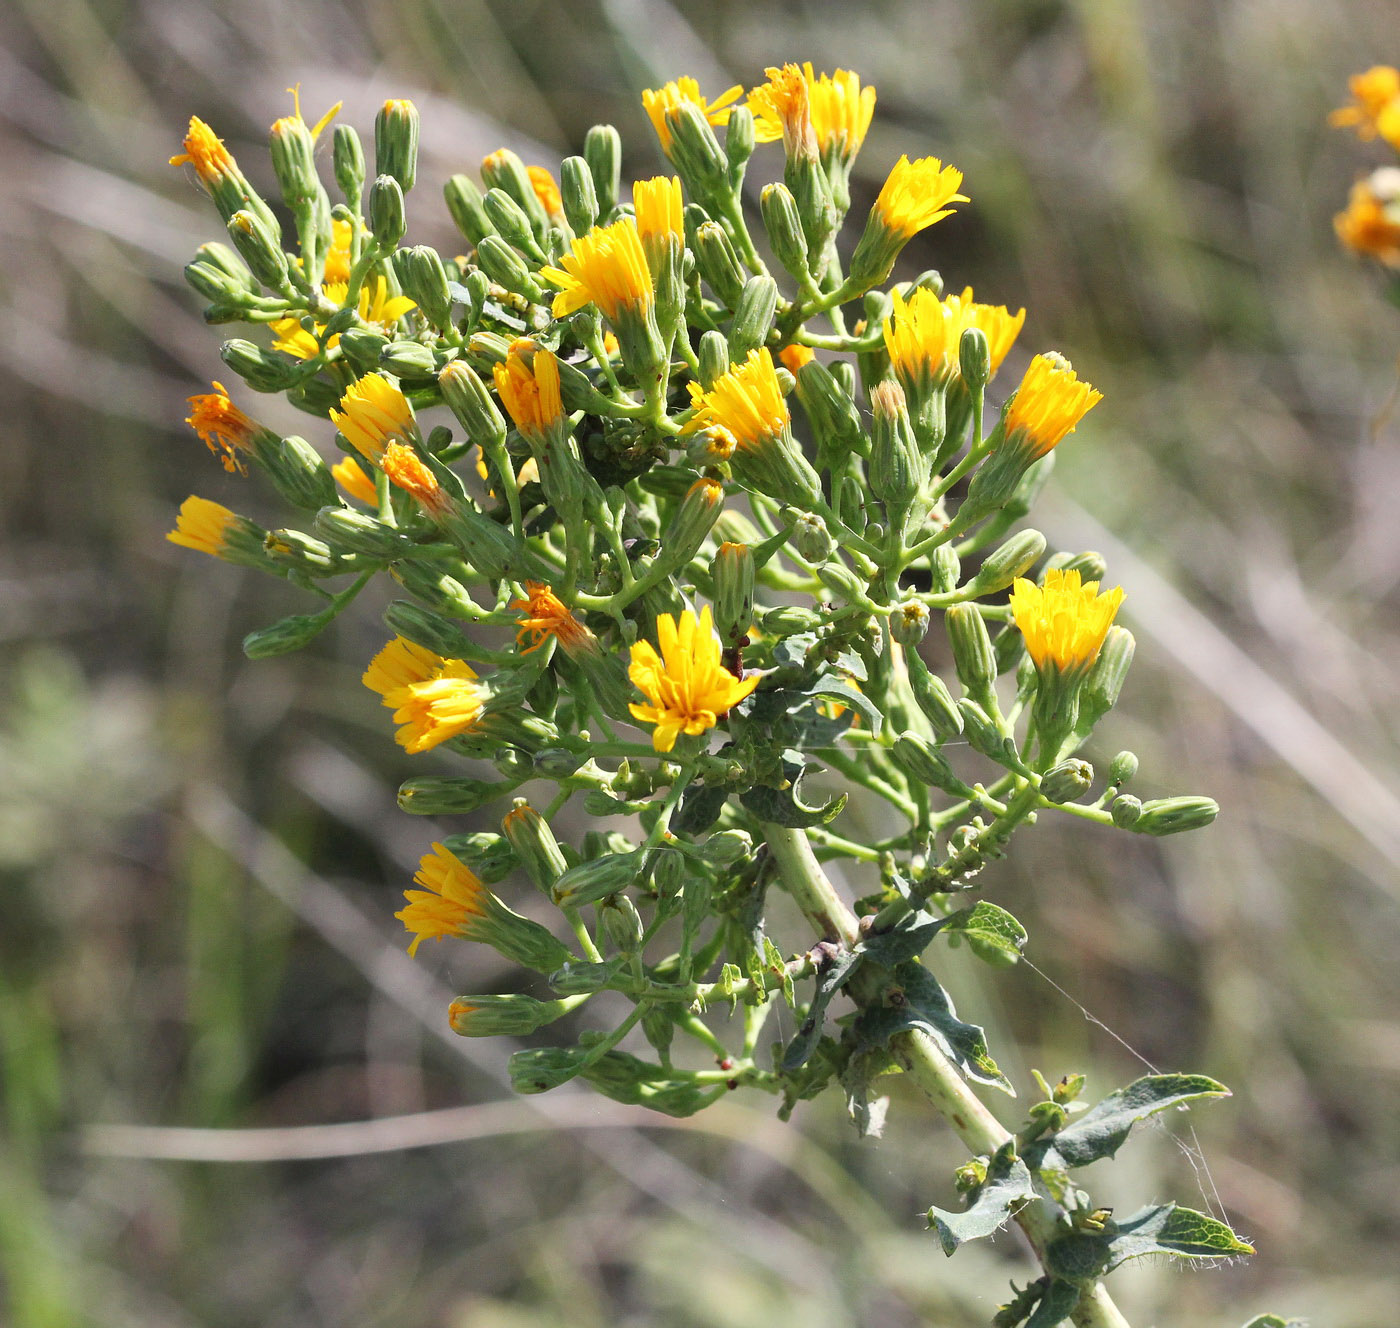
x=200 y=857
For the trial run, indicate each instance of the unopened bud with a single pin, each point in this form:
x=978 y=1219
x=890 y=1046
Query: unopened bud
x=1106 y=676
x=1126 y=811
x=534 y=844
x=445 y=795
x=470 y=401
x=358 y=532
x=362 y=347
x=504 y=170
x=1122 y=769
x=348 y=159
x=934 y=698
x=579 y=195
x=259 y=248
x=972 y=654
x=424 y=281
x=726 y=847
x=424 y=627
x=733 y=572
x=396 y=142
x=1170 y=816
x=295 y=469
x=386 y=212
x=753 y=316
x=909 y=623
x=718 y=263
x=294 y=161
x=281 y=638
x=263 y=370
x=974 y=358
x=945 y=568
x=408 y=359
x=918 y=758
x=437 y=589
x=538 y=1069
x=512 y=222
x=696 y=151
x=812 y=538
x=1067 y=781
x=692 y=523
x=622 y=923
x=591 y=881
x=784 y=229
x=739 y=139
x=467 y=209
x=896 y=466
x=714 y=358
x=602 y=150
x=1005 y=563
x=510 y=1014
x=829 y=405
x=506 y=268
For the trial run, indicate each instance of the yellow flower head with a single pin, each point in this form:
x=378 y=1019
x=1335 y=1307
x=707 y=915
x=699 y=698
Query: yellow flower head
x=451 y=898
x=839 y=108
x=793 y=357
x=376 y=306
x=1375 y=105
x=406 y=471
x=205 y=151
x=546 y=191
x=916 y=194
x=1049 y=403
x=782 y=109
x=546 y=615
x=338 y=256
x=606 y=267
x=657 y=102
x=658 y=205
x=225 y=429
x=921 y=337
x=530 y=389
x=351 y=477
x=203 y=526
x=686 y=686
x=1370 y=225
x=746 y=403
x=433 y=699
x=1064 y=621
x=1000 y=325
x=373 y=413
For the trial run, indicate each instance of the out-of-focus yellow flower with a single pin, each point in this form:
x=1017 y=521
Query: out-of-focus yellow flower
x=373 y=413
x=406 y=471
x=1065 y=621
x=1049 y=403
x=1000 y=325
x=606 y=267
x=658 y=101
x=1370 y=224
x=546 y=190
x=793 y=357
x=686 y=686
x=338 y=256
x=350 y=475
x=204 y=526
x=1375 y=108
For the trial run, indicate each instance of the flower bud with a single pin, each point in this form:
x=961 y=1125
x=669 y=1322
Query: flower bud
x=358 y=532
x=1106 y=676
x=1005 y=563
x=396 y=142
x=933 y=697
x=428 y=582
x=1126 y=811
x=972 y=654
x=488 y=856
x=468 y=211
x=591 y=881
x=348 y=159
x=281 y=638
x=733 y=572
x=897 y=469
x=538 y=1069
x=812 y=538
x=945 y=568
x=576 y=979
x=788 y=619
x=602 y=150
x=512 y=222
x=446 y=795
x=985 y=736
x=696 y=152
x=784 y=229
x=489 y=548
x=263 y=370
x=915 y=756
x=974 y=358
x=1067 y=781
x=506 y=268
x=534 y=844
x=424 y=627
x=510 y=1014
x=216 y=285
x=386 y=213
x=294 y=162
x=362 y=347
x=909 y=623
x=580 y=198
x=259 y=248
x=739 y=140
x=408 y=359
x=835 y=419
x=473 y=405
x=753 y=316
x=726 y=847
x=301 y=552
x=622 y=924
x=1170 y=816
x=692 y=523
x=714 y=358
x=295 y=469
x=424 y=281
x=504 y=170
x=718 y=263
x=1122 y=769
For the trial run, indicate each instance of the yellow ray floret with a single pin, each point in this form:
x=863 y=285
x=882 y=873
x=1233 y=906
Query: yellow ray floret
x=205 y=151
x=686 y=686
x=606 y=267
x=918 y=193
x=375 y=306
x=225 y=429
x=782 y=107
x=840 y=111
x=658 y=101
x=350 y=475
x=1375 y=107
x=545 y=615
x=793 y=357
x=406 y=471
x=1049 y=403
x=1370 y=225
x=450 y=899
x=920 y=335
x=529 y=389
x=1000 y=325
x=746 y=403
x=546 y=190
x=373 y=413
x=433 y=698
x=202 y=525
x=658 y=205
x=1064 y=622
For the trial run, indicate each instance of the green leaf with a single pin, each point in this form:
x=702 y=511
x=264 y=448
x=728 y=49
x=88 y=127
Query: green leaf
x=993 y=935
x=908 y=939
x=830 y=980
x=1060 y=1300
x=1168 y=1229
x=1101 y=1130
x=833 y=687
x=1007 y=1187
x=784 y=806
x=699 y=810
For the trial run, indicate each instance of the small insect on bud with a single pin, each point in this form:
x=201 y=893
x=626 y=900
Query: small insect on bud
x=396 y=142
x=1067 y=781
x=909 y=623
x=812 y=538
x=467 y=209
x=1122 y=769
x=511 y=1014
x=579 y=196
x=1170 y=816
x=348 y=162
x=733 y=572
x=602 y=150
x=386 y=212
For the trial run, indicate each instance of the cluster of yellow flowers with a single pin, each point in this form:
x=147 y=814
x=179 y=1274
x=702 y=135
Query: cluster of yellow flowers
x=1370 y=223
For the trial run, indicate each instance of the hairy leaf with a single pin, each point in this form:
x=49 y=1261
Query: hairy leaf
x=991 y=932
x=1060 y=1300
x=1007 y=1187
x=1168 y=1229
x=785 y=807
x=700 y=807
x=829 y=981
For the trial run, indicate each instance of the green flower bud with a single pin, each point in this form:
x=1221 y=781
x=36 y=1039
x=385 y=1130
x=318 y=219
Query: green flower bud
x=753 y=316
x=504 y=170
x=557 y=762
x=915 y=756
x=1067 y=781
x=974 y=358
x=733 y=572
x=295 y=469
x=591 y=881
x=424 y=281
x=692 y=523
x=789 y=619
x=473 y=405
x=726 y=847
x=386 y=212
x=1126 y=811
x=784 y=229
x=812 y=538
x=714 y=358
x=446 y=795
x=263 y=370
x=429 y=583
x=933 y=697
x=357 y=532
x=897 y=469
x=214 y=284
x=578 y=979
x=602 y=150
x=348 y=158
x=945 y=567
x=259 y=248
x=512 y=1014
x=1122 y=769
x=831 y=409
x=428 y=629
x=467 y=209
x=622 y=924
x=538 y=1069
x=696 y=152
x=579 y=195
x=1004 y=564
x=878 y=306
x=512 y=222
x=396 y=142
x=487 y=855
x=668 y=872
x=534 y=844
x=738 y=141
x=488 y=349
x=718 y=263
x=408 y=359
x=362 y=347
x=302 y=552
x=489 y=548
x=281 y=638
x=909 y=623
x=985 y=736
x=506 y=268
x=1170 y=816
x=1105 y=678
x=294 y=162
x=1091 y=566
x=972 y=654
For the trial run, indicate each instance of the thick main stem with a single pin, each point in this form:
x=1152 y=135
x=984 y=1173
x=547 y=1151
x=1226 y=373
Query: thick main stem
x=926 y=1065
